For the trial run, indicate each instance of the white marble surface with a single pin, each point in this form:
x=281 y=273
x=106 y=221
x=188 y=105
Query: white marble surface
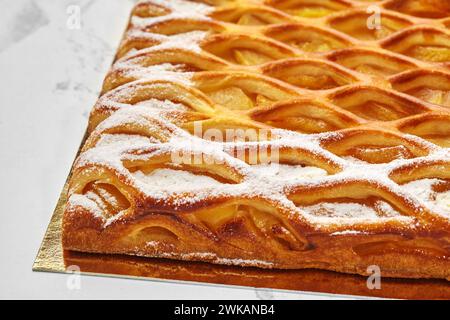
x=50 y=77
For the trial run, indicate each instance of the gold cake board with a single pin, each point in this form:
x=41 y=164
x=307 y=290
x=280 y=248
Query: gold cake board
x=52 y=258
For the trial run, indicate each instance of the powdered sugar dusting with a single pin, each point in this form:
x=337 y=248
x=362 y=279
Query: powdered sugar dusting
x=78 y=200
x=187 y=41
x=349 y=213
x=347 y=232
x=209 y=256
x=179 y=9
x=159 y=105
x=112 y=139
x=169 y=180
x=165 y=71
x=286 y=172
x=438 y=202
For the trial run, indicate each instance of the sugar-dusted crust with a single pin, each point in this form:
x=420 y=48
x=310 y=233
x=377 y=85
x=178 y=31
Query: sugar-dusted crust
x=350 y=163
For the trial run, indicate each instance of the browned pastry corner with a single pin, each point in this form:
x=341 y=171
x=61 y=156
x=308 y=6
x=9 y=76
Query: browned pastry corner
x=342 y=160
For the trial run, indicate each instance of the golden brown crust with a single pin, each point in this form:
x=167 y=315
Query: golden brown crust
x=398 y=255
x=366 y=110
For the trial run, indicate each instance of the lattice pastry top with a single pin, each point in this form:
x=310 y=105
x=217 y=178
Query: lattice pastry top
x=306 y=118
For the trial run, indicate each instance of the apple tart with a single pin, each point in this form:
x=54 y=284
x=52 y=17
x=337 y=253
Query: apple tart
x=273 y=133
